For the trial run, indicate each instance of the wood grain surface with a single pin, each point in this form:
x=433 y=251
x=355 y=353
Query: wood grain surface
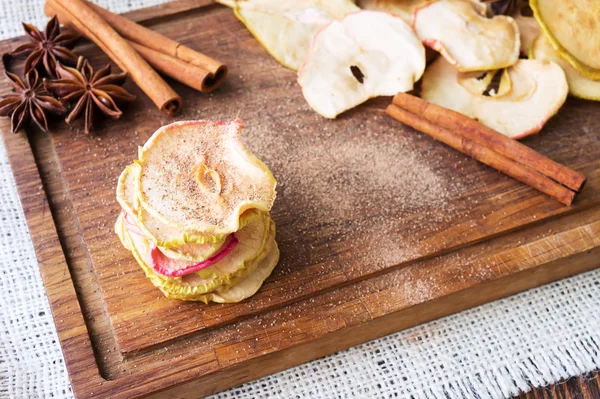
x=380 y=227
x=582 y=387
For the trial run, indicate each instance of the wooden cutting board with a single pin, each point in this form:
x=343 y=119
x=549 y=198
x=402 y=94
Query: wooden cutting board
x=380 y=227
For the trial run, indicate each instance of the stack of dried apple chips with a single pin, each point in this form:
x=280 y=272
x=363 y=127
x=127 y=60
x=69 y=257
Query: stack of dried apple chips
x=196 y=213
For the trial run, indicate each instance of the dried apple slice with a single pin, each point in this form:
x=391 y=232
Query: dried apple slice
x=285 y=28
x=402 y=8
x=482 y=84
x=250 y=243
x=538 y=90
x=352 y=60
x=460 y=31
x=529 y=30
x=579 y=85
x=249 y=285
x=168 y=240
x=572 y=27
x=238 y=264
x=174 y=188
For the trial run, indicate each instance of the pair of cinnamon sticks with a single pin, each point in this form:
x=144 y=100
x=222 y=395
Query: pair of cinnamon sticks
x=141 y=52
x=488 y=146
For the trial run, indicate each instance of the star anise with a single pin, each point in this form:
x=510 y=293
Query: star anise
x=90 y=90
x=30 y=101
x=47 y=48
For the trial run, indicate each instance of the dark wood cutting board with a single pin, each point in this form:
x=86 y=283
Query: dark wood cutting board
x=380 y=227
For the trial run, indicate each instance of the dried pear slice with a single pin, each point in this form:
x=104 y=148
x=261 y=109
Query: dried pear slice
x=242 y=261
x=538 y=90
x=402 y=8
x=172 y=190
x=460 y=31
x=285 y=28
x=572 y=27
x=579 y=85
x=348 y=63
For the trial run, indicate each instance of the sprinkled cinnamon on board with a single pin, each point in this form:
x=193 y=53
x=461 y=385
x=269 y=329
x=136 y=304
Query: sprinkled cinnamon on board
x=333 y=177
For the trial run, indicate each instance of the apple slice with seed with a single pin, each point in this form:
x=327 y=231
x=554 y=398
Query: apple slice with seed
x=528 y=95
x=363 y=55
x=461 y=32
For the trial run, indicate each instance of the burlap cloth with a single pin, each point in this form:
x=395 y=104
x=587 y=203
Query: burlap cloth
x=493 y=351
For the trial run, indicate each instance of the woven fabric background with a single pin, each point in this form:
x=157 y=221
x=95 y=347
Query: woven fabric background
x=493 y=351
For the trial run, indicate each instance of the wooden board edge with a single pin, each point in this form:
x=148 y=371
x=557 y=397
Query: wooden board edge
x=568 y=252
x=70 y=324
x=391 y=323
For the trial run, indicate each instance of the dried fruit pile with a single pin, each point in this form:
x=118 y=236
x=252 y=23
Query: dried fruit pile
x=345 y=56
x=196 y=213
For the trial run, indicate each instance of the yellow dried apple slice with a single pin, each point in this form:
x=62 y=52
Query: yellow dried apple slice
x=351 y=60
x=122 y=233
x=249 y=285
x=460 y=31
x=285 y=28
x=174 y=188
x=244 y=285
x=538 y=90
x=579 y=85
x=572 y=27
x=402 y=8
x=238 y=264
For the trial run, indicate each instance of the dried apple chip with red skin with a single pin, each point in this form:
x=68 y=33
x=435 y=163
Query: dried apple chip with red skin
x=254 y=242
x=537 y=91
x=174 y=268
x=352 y=60
x=461 y=32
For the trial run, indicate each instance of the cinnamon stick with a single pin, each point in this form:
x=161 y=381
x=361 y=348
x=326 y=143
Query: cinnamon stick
x=498 y=142
x=215 y=71
x=484 y=154
x=188 y=74
x=85 y=20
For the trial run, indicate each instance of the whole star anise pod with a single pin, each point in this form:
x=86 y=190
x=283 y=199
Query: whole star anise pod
x=47 y=48
x=30 y=101
x=101 y=90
